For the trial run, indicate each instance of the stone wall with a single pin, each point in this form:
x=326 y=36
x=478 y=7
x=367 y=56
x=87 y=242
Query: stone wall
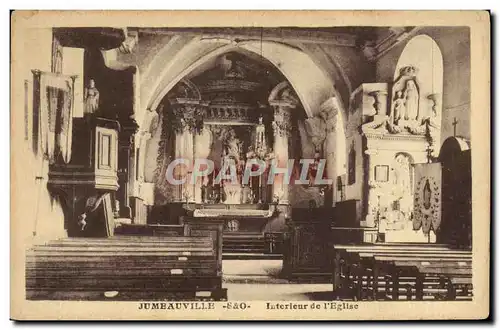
x=36 y=214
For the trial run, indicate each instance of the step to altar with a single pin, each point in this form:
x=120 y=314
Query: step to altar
x=260 y=246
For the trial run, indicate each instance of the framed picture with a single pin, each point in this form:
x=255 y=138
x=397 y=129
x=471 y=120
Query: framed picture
x=382 y=173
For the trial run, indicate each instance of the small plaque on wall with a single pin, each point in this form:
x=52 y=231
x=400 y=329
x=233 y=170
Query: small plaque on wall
x=382 y=173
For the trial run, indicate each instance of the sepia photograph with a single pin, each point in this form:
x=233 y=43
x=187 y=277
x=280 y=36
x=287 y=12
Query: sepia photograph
x=239 y=165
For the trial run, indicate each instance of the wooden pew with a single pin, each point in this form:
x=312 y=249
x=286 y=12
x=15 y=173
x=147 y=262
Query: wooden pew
x=173 y=268
x=447 y=274
x=377 y=264
x=346 y=255
x=368 y=266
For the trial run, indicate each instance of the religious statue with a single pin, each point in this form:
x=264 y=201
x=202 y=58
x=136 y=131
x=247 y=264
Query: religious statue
x=316 y=129
x=91 y=98
x=232 y=146
x=411 y=100
x=250 y=153
x=399 y=108
x=402 y=185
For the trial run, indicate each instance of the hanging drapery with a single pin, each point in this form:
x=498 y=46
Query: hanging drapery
x=427 y=197
x=55 y=114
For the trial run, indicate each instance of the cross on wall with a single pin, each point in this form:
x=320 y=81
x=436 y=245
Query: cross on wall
x=454 y=123
x=429 y=151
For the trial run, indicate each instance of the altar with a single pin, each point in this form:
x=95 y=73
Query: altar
x=227 y=128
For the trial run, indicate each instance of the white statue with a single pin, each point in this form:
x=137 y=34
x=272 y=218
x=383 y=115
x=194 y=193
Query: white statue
x=91 y=98
x=399 y=108
x=411 y=103
x=233 y=146
x=402 y=185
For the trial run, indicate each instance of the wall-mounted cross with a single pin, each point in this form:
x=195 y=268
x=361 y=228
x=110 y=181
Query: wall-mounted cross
x=454 y=123
x=429 y=153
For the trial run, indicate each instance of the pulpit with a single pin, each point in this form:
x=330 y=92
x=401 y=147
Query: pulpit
x=86 y=184
x=308 y=245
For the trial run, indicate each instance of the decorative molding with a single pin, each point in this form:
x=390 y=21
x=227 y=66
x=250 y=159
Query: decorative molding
x=237 y=113
x=395 y=137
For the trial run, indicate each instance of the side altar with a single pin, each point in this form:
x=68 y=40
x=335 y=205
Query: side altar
x=392 y=128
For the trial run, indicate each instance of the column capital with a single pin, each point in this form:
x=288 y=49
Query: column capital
x=282 y=120
x=187 y=114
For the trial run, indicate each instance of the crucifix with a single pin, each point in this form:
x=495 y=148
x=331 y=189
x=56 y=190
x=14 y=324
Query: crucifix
x=454 y=123
x=429 y=153
x=341 y=188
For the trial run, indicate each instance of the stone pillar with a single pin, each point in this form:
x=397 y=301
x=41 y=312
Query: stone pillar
x=126 y=152
x=372 y=211
x=202 y=145
x=187 y=121
x=282 y=129
x=329 y=112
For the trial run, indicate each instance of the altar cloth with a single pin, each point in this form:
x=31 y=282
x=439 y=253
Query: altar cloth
x=221 y=213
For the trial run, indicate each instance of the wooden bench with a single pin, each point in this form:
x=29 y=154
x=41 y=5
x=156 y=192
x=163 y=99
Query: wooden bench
x=125 y=268
x=420 y=271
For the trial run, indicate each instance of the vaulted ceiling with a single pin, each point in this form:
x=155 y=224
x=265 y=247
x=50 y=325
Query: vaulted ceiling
x=319 y=63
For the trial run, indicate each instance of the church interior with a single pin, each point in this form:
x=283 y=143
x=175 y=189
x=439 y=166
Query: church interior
x=384 y=110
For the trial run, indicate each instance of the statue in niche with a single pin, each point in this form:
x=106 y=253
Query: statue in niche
x=411 y=100
x=405 y=111
x=91 y=98
x=232 y=146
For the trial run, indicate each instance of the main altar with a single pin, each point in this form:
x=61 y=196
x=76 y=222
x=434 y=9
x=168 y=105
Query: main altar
x=231 y=118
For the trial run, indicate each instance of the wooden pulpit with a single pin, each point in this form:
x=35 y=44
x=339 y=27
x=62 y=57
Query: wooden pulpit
x=85 y=184
x=308 y=245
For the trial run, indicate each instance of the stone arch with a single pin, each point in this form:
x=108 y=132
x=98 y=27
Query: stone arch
x=313 y=87
x=299 y=69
